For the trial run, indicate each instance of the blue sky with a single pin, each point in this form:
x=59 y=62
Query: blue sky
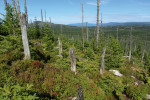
x=69 y=11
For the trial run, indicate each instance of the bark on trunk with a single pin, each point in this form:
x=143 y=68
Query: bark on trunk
x=25 y=7
x=73 y=59
x=130 y=45
x=97 y=38
x=82 y=28
x=60 y=47
x=24 y=36
x=102 y=68
x=18 y=7
x=42 y=17
x=87 y=32
x=14 y=7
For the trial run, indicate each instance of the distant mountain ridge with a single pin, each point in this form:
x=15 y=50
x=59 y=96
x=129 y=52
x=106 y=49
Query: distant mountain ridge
x=115 y=24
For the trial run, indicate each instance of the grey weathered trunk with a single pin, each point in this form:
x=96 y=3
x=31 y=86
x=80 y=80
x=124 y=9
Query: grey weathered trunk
x=6 y=5
x=18 y=7
x=80 y=93
x=73 y=59
x=87 y=32
x=14 y=7
x=60 y=47
x=42 y=17
x=102 y=67
x=24 y=36
x=25 y=7
x=97 y=37
x=130 y=45
x=82 y=28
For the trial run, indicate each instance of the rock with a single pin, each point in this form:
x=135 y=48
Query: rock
x=74 y=98
x=133 y=77
x=148 y=96
x=116 y=73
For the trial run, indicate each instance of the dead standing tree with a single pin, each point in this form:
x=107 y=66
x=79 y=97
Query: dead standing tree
x=73 y=60
x=14 y=7
x=97 y=37
x=102 y=67
x=42 y=17
x=23 y=23
x=25 y=8
x=82 y=28
x=130 y=45
x=60 y=47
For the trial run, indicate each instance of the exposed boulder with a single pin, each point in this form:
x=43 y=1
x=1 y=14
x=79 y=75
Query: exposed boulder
x=116 y=73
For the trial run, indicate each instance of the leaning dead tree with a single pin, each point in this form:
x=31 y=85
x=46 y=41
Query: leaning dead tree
x=102 y=67
x=25 y=8
x=87 y=32
x=97 y=37
x=130 y=45
x=82 y=28
x=23 y=23
x=42 y=17
x=73 y=59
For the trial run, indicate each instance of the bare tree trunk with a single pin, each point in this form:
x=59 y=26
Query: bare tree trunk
x=6 y=4
x=73 y=59
x=25 y=7
x=97 y=38
x=18 y=7
x=130 y=45
x=87 y=32
x=14 y=7
x=82 y=27
x=24 y=36
x=102 y=68
x=60 y=47
x=42 y=17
